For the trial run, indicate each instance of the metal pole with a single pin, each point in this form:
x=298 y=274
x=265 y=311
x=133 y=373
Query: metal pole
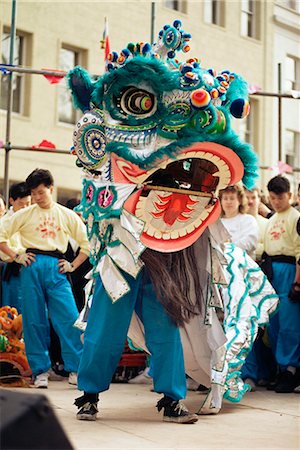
x=57 y=73
x=152 y=22
x=9 y=101
x=40 y=149
x=279 y=115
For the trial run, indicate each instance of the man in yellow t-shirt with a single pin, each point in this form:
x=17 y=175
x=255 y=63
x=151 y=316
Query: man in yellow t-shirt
x=45 y=228
x=282 y=247
x=19 y=198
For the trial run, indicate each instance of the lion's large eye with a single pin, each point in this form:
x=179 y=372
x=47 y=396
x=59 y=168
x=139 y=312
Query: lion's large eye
x=137 y=102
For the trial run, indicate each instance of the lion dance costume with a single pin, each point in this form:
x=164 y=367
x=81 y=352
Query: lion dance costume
x=155 y=144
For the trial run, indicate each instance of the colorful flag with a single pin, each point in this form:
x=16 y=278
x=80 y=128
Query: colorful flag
x=105 y=40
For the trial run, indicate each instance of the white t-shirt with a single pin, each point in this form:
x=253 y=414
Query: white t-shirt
x=244 y=232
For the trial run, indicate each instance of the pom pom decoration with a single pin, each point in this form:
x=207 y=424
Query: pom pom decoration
x=214 y=93
x=240 y=108
x=200 y=99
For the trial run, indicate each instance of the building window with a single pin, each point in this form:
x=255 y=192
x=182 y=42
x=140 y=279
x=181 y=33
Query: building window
x=249 y=18
x=292 y=148
x=214 y=12
x=245 y=131
x=177 y=5
x=18 y=78
x=248 y=125
x=291 y=4
x=68 y=59
x=292 y=74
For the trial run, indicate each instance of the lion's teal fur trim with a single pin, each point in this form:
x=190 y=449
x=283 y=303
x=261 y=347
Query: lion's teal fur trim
x=237 y=88
x=229 y=139
x=82 y=87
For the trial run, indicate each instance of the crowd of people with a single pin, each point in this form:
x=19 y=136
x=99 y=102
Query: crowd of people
x=44 y=254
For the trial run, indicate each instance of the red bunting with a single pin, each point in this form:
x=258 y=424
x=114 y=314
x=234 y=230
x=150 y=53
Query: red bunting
x=54 y=79
x=44 y=144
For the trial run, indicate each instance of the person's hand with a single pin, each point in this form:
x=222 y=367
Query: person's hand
x=26 y=259
x=65 y=266
x=263 y=210
x=294 y=294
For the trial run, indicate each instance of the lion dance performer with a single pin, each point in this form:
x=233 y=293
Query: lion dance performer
x=155 y=144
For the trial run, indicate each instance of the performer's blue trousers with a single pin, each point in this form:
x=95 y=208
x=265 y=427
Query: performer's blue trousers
x=284 y=328
x=12 y=292
x=47 y=293
x=106 y=333
x=260 y=363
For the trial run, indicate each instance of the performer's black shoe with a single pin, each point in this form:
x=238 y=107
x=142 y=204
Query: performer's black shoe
x=88 y=406
x=175 y=411
x=287 y=383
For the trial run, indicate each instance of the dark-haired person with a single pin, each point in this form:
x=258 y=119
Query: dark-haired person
x=19 y=198
x=282 y=247
x=2 y=206
x=45 y=228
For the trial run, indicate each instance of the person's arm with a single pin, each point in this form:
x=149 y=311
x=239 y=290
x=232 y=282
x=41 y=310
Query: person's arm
x=264 y=211
x=66 y=266
x=8 y=251
x=78 y=233
x=297 y=252
x=294 y=294
x=26 y=259
x=8 y=227
x=297 y=276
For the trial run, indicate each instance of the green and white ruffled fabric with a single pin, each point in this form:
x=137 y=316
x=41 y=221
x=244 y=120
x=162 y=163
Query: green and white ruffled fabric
x=114 y=234
x=249 y=300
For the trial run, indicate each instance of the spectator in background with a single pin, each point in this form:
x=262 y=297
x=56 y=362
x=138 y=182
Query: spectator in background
x=260 y=366
x=45 y=228
x=19 y=198
x=282 y=264
x=297 y=203
x=264 y=208
x=241 y=226
x=2 y=206
x=253 y=198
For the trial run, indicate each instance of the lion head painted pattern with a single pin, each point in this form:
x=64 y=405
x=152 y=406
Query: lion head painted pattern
x=163 y=126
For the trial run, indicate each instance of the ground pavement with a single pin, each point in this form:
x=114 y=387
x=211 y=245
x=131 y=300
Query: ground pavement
x=128 y=420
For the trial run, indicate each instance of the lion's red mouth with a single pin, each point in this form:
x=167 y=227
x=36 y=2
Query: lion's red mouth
x=178 y=201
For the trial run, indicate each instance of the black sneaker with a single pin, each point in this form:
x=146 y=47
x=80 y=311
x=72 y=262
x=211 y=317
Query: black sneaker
x=88 y=412
x=287 y=383
x=88 y=407
x=175 y=411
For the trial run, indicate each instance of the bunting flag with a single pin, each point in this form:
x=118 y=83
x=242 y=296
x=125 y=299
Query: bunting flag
x=44 y=144
x=281 y=167
x=105 y=40
x=54 y=79
x=253 y=88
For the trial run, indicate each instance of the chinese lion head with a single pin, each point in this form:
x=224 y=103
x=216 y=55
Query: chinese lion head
x=163 y=126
